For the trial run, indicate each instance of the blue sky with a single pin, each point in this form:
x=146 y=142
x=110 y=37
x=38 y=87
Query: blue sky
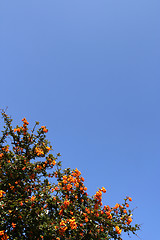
x=89 y=71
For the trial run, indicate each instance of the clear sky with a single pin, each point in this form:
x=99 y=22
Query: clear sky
x=90 y=71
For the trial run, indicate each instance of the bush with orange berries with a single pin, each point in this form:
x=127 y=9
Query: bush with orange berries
x=39 y=200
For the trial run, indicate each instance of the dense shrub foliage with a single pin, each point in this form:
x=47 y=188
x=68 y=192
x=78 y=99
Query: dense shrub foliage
x=39 y=200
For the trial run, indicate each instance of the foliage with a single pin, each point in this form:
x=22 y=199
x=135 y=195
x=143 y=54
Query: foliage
x=31 y=207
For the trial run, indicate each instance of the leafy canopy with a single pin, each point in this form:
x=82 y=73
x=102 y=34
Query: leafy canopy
x=33 y=207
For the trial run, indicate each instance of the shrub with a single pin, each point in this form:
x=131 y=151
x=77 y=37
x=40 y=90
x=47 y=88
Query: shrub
x=33 y=207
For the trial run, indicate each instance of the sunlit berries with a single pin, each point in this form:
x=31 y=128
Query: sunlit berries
x=118 y=230
x=45 y=130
